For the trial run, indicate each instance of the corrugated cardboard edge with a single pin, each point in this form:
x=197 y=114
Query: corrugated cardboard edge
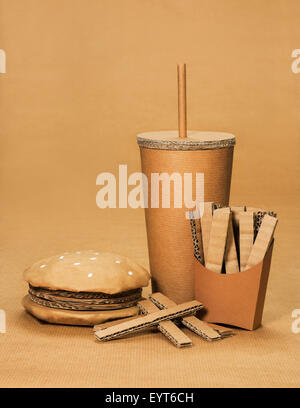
x=196 y=244
x=71 y=317
x=184 y=144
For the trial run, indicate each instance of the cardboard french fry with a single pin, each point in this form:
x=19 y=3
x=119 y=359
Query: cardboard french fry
x=217 y=241
x=222 y=330
x=167 y=327
x=263 y=240
x=231 y=257
x=201 y=328
x=110 y=323
x=236 y=210
x=258 y=217
x=253 y=209
x=246 y=237
x=150 y=320
x=206 y=221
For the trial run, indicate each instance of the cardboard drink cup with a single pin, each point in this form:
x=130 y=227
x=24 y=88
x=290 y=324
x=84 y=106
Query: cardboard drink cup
x=168 y=230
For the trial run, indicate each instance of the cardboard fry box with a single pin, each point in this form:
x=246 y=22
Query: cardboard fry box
x=233 y=299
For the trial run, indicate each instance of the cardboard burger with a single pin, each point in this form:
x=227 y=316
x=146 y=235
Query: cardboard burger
x=84 y=288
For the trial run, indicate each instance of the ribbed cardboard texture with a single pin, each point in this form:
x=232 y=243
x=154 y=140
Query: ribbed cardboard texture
x=168 y=232
x=235 y=299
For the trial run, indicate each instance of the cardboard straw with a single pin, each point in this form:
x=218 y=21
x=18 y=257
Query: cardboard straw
x=217 y=241
x=150 y=320
x=263 y=240
x=167 y=328
x=191 y=322
x=246 y=237
x=181 y=75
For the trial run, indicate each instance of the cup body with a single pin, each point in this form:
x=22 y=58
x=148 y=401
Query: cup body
x=168 y=230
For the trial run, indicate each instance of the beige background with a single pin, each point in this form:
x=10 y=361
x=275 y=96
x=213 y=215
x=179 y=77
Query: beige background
x=83 y=78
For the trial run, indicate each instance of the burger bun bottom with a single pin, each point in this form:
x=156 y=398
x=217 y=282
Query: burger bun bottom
x=76 y=318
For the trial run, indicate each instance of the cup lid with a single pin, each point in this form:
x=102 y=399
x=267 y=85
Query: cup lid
x=195 y=140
